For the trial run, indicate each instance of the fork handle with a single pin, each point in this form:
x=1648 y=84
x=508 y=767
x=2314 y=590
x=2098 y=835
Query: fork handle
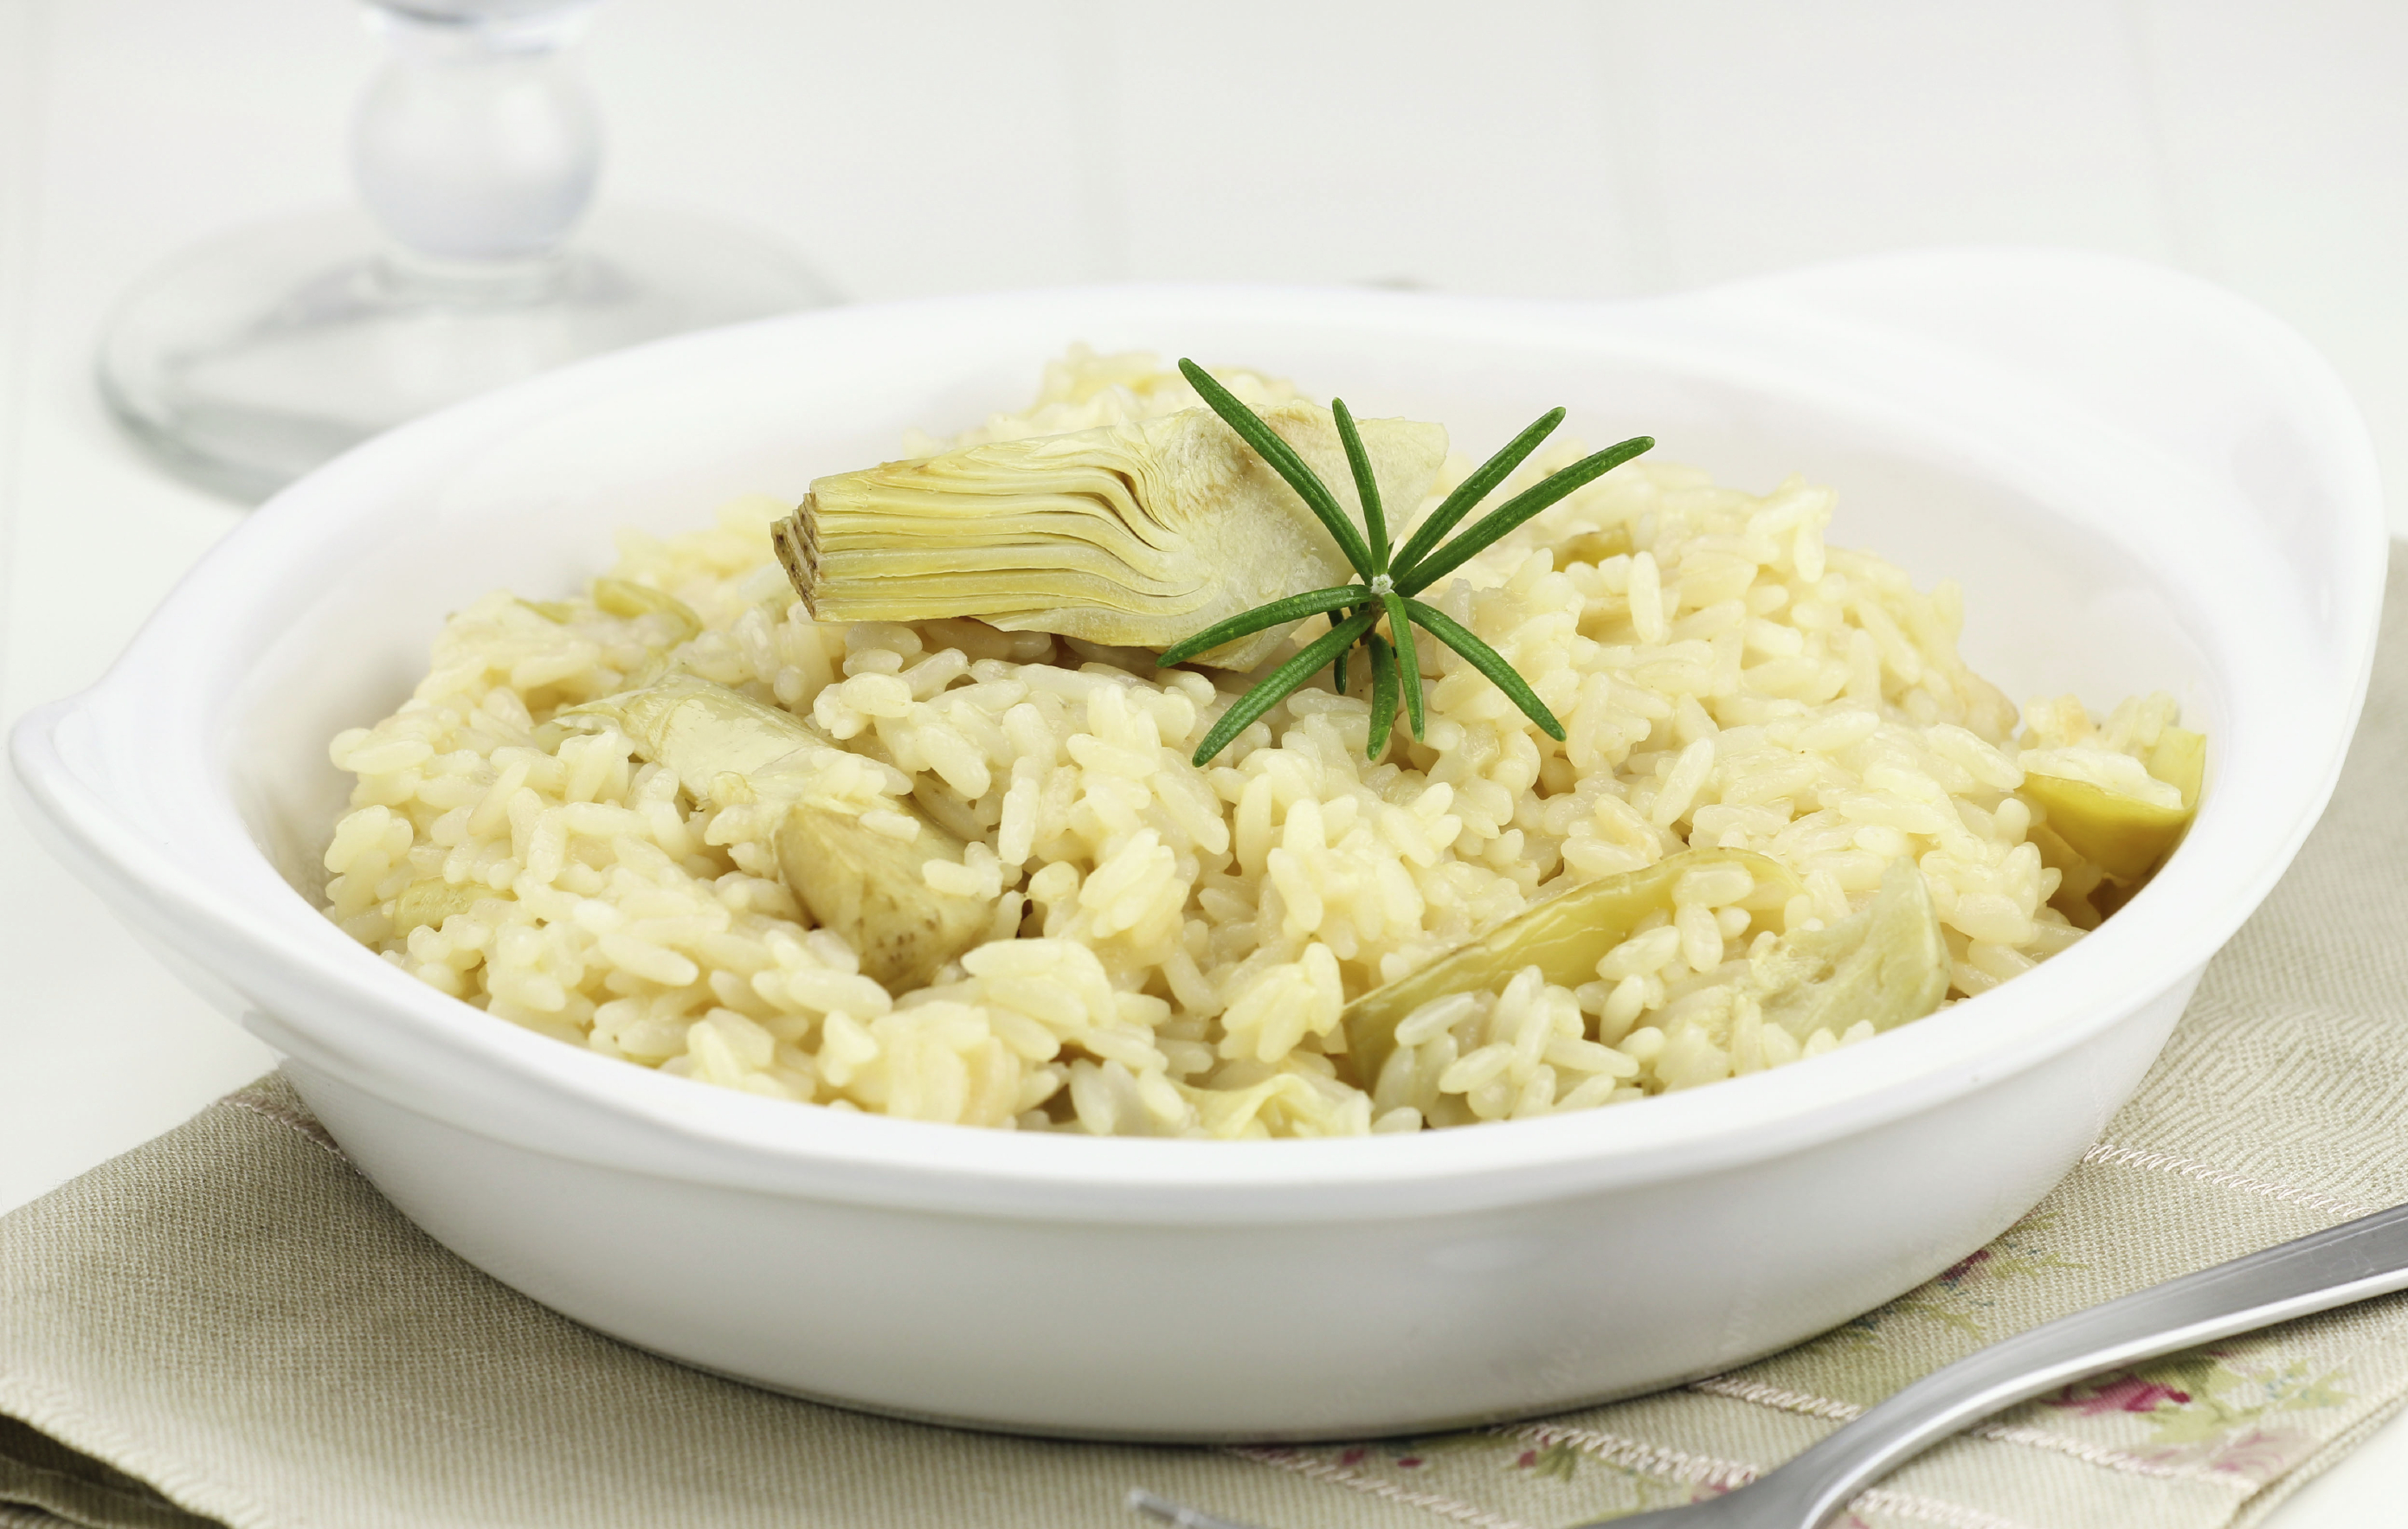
x=2352 y=1262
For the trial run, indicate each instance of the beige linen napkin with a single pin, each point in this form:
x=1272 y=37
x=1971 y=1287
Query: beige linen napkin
x=231 y=1324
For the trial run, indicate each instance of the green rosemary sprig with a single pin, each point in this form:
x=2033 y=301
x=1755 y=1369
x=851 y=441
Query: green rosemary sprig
x=1390 y=577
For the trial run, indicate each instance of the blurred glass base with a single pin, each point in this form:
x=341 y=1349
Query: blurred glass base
x=247 y=362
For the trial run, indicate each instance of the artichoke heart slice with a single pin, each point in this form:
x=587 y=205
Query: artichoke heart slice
x=864 y=884
x=2125 y=835
x=1885 y=964
x=1133 y=535
x=1565 y=936
x=871 y=888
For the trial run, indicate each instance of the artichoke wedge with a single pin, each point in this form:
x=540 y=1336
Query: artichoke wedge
x=1131 y=534
x=866 y=885
x=1885 y=964
x=1565 y=936
x=2124 y=835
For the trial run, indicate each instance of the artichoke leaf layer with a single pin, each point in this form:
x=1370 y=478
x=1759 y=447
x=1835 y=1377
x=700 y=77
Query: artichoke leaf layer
x=1133 y=535
x=863 y=883
x=1564 y=936
x=1886 y=964
x=2127 y=837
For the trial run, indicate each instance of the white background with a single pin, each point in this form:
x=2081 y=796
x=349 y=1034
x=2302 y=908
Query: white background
x=1553 y=147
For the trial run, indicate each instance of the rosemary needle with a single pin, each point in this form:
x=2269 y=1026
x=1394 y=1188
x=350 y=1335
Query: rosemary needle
x=1389 y=577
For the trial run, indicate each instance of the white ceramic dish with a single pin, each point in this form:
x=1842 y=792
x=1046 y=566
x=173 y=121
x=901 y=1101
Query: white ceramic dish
x=2142 y=482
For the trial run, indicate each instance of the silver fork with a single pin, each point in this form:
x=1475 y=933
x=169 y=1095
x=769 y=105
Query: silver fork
x=2352 y=1261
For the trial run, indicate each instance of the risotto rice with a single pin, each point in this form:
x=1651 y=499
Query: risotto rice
x=1172 y=946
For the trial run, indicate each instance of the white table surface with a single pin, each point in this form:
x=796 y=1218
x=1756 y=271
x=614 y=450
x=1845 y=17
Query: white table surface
x=1561 y=148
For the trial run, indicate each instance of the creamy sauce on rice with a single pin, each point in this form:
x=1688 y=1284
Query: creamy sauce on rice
x=1172 y=946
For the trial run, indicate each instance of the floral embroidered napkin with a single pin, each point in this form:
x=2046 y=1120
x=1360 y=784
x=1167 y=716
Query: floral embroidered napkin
x=231 y=1325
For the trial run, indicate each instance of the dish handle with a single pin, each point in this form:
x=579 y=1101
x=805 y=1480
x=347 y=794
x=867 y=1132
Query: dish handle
x=81 y=814
x=98 y=827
